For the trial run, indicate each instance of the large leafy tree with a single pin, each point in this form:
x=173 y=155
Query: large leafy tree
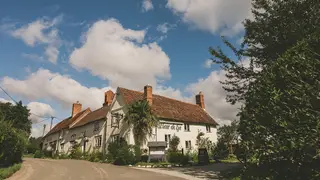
x=141 y=119
x=228 y=134
x=17 y=114
x=276 y=26
x=280 y=120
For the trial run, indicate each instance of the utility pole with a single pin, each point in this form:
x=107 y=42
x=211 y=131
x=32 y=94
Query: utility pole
x=44 y=128
x=51 y=122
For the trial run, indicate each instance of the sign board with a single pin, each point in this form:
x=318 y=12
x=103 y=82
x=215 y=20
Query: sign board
x=170 y=126
x=203 y=157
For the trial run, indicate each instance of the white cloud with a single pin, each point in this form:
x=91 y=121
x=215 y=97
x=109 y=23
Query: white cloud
x=41 y=32
x=215 y=16
x=37 y=129
x=33 y=57
x=62 y=89
x=165 y=27
x=117 y=54
x=147 y=5
x=39 y=110
x=208 y=63
x=6 y=101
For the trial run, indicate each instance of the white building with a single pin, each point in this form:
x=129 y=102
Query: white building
x=182 y=119
x=95 y=129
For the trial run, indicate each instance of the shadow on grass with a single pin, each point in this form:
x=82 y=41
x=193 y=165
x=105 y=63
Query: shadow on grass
x=211 y=171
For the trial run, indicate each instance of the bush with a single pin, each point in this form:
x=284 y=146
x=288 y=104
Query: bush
x=12 y=144
x=75 y=152
x=7 y=172
x=144 y=158
x=63 y=156
x=95 y=156
x=178 y=158
x=174 y=142
x=221 y=150
x=120 y=153
x=38 y=154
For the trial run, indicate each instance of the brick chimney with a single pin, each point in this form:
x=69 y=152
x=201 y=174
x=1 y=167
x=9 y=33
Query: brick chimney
x=200 y=100
x=76 y=108
x=148 y=93
x=108 y=97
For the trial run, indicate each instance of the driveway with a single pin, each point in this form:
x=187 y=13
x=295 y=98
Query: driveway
x=48 y=169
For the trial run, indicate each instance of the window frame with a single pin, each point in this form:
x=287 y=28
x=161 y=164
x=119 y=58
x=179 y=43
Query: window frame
x=188 y=144
x=98 y=141
x=208 y=128
x=186 y=127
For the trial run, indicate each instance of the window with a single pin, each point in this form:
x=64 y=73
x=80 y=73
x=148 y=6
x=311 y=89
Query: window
x=73 y=136
x=167 y=138
x=96 y=126
x=208 y=128
x=97 y=140
x=61 y=146
x=115 y=138
x=188 y=144
x=186 y=127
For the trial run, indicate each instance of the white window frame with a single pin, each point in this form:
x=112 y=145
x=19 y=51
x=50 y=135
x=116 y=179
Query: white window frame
x=98 y=141
x=187 y=127
x=115 y=137
x=167 y=138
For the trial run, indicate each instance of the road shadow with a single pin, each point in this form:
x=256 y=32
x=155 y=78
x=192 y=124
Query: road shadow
x=210 y=171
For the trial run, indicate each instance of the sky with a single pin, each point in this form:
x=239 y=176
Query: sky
x=54 y=53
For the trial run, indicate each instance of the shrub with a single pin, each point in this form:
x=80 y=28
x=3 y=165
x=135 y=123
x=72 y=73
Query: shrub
x=38 y=154
x=174 y=142
x=63 y=156
x=120 y=153
x=178 y=158
x=221 y=150
x=144 y=158
x=75 y=152
x=95 y=156
x=7 y=172
x=12 y=144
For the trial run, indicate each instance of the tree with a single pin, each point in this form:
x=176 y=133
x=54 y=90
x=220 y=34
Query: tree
x=280 y=120
x=17 y=114
x=229 y=135
x=34 y=144
x=173 y=143
x=204 y=142
x=141 y=119
x=276 y=26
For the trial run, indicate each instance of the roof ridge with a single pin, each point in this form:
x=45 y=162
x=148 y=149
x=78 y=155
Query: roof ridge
x=164 y=97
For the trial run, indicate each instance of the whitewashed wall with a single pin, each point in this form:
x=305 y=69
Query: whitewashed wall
x=160 y=133
x=65 y=137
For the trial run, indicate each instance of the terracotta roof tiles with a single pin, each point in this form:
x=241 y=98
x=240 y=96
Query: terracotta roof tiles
x=168 y=108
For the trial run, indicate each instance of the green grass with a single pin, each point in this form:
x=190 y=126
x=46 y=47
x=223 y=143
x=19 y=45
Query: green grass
x=230 y=160
x=8 y=171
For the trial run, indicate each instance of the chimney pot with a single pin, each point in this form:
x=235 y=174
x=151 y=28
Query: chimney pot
x=76 y=108
x=200 y=100
x=148 y=94
x=108 y=97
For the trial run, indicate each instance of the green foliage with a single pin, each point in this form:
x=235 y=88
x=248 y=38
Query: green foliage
x=229 y=135
x=8 y=171
x=120 y=153
x=173 y=143
x=33 y=145
x=203 y=142
x=177 y=158
x=193 y=155
x=141 y=119
x=17 y=115
x=280 y=122
x=38 y=154
x=75 y=152
x=221 y=150
x=95 y=156
x=12 y=144
x=63 y=156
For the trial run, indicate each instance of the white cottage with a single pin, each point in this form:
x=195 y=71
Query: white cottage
x=84 y=127
x=182 y=119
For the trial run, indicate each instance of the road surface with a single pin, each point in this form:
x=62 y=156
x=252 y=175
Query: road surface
x=49 y=169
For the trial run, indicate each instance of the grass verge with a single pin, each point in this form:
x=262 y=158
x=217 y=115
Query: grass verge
x=8 y=171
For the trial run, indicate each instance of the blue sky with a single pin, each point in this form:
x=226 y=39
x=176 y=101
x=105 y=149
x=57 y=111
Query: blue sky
x=54 y=53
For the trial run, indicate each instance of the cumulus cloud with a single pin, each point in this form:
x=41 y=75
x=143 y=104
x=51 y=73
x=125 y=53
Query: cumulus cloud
x=208 y=63
x=215 y=16
x=6 y=101
x=147 y=5
x=165 y=27
x=37 y=129
x=42 y=31
x=39 y=110
x=119 y=55
x=62 y=89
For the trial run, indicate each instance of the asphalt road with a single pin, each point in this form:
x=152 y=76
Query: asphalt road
x=47 y=169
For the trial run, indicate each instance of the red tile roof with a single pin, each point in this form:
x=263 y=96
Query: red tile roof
x=93 y=116
x=64 y=124
x=172 y=109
